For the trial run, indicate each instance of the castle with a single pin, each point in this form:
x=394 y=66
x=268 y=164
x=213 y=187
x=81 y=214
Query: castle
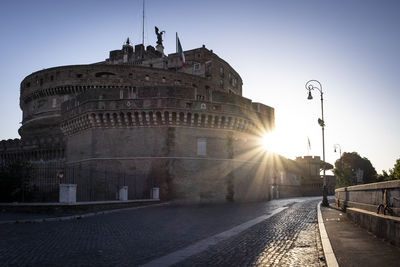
x=183 y=125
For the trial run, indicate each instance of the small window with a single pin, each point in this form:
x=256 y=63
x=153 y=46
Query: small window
x=221 y=71
x=221 y=83
x=163 y=79
x=147 y=78
x=196 y=66
x=189 y=105
x=121 y=94
x=104 y=74
x=201 y=146
x=51 y=78
x=54 y=104
x=198 y=55
x=65 y=97
x=130 y=75
x=177 y=82
x=217 y=108
x=79 y=75
x=28 y=85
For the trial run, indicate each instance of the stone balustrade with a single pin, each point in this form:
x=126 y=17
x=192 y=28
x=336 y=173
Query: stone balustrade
x=370 y=196
x=375 y=207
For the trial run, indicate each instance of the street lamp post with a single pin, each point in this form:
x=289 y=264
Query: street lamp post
x=311 y=85
x=335 y=146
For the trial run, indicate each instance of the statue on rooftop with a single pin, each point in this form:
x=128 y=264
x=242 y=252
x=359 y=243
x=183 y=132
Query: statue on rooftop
x=159 y=35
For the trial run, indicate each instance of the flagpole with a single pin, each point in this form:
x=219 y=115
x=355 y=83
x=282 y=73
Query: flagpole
x=143 y=26
x=176 y=63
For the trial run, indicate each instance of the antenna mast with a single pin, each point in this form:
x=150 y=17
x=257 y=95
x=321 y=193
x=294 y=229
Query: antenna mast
x=143 y=26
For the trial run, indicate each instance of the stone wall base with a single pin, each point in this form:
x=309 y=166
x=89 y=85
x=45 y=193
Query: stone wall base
x=383 y=226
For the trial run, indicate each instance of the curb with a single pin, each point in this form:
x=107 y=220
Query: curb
x=80 y=216
x=326 y=244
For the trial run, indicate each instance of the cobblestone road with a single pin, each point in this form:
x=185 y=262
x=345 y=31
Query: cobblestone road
x=290 y=238
x=131 y=238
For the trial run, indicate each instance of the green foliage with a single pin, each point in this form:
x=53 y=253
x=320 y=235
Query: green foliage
x=346 y=166
x=383 y=177
x=328 y=166
x=344 y=177
x=394 y=174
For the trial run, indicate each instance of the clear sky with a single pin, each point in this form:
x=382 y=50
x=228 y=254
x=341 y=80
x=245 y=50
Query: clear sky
x=350 y=46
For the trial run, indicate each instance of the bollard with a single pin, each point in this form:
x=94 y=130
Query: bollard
x=155 y=193
x=123 y=193
x=67 y=193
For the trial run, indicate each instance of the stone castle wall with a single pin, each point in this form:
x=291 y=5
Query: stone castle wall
x=170 y=156
x=186 y=129
x=157 y=131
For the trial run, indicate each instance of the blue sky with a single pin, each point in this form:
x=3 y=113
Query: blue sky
x=350 y=46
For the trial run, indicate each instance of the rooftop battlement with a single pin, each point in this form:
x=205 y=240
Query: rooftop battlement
x=309 y=158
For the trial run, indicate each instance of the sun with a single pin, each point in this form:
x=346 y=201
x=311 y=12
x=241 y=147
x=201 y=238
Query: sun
x=264 y=142
x=269 y=142
x=277 y=143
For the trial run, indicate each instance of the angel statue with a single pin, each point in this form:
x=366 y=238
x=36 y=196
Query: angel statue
x=159 y=36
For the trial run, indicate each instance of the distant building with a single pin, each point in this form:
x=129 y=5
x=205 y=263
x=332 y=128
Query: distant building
x=311 y=179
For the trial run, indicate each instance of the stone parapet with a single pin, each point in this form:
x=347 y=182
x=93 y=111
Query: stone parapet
x=383 y=226
x=375 y=207
x=144 y=107
x=36 y=150
x=395 y=184
x=370 y=196
x=153 y=118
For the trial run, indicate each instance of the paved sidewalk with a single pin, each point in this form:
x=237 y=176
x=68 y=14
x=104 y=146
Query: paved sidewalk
x=353 y=245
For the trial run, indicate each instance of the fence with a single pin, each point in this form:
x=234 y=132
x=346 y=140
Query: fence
x=41 y=183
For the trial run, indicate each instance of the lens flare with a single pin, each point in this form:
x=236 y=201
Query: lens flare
x=269 y=143
x=275 y=143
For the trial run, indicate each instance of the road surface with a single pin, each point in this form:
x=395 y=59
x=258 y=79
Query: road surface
x=279 y=232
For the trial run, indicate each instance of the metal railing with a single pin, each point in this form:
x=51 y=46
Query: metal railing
x=41 y=183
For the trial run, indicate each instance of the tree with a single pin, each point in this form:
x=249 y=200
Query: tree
x=383 y=177
x=394 y=174
x=328 y=166
x=347 y=166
